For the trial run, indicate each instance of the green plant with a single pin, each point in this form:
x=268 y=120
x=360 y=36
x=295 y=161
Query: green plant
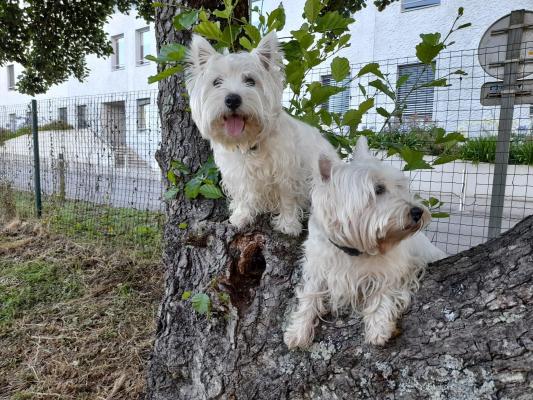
x=55 y=126
x=200 y=302
x=481 y=149
x=8 y=135
x=522 y=152
x=204 y=182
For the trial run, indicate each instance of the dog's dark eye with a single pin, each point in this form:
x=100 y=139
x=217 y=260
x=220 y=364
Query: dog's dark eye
x=249 y=82
x=217 y=82
x=380 y=189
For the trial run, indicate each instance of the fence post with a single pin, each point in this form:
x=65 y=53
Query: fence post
x=36 y=160
x=61 y=171
x=506 y=123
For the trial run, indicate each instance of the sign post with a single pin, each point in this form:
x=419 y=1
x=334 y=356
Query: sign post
x=505 y=54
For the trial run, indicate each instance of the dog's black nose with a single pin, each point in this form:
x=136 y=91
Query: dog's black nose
x=233 y=101
x=416 y=213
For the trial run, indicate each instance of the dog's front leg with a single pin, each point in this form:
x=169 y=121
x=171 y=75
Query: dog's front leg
x=301 y=329
x=381 y=314
x=242 y=215
x=290 y=213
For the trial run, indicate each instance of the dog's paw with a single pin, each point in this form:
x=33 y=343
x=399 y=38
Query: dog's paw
x=240 y=219
x=378 y=337
x=294 y=339
x=287 y=225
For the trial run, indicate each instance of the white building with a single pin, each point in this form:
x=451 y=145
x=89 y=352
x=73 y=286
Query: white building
x=114 y=107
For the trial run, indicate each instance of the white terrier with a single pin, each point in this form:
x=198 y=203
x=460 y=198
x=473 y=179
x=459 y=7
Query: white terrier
x=266 y=157
x=365 y=248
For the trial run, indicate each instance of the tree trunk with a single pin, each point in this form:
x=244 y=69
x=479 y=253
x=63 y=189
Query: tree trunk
x=467 y=335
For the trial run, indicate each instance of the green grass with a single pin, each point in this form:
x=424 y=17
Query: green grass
x=5 y=136
x=86 y=221
x=33 y=283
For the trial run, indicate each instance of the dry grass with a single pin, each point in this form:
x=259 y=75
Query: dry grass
x=76 y=319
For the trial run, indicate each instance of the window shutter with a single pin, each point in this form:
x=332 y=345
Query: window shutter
x=420 y=102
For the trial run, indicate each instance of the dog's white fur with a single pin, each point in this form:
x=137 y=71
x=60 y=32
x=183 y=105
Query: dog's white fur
x=379 y=283
x=268 y=167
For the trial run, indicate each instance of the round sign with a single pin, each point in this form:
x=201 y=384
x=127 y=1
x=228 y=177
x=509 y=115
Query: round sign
x=493 y=47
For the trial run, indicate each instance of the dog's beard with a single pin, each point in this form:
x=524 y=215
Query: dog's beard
x=400 y=229
x=236 y=130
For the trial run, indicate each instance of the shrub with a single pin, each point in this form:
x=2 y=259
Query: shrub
x=55 y=126
x=522 y=153
x=481 y=149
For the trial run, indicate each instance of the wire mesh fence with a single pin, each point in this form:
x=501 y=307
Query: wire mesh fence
x=99 y=173
x=97 y=167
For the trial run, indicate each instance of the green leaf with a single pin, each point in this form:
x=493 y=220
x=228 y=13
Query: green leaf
x=372 y=68
x=276 y=19
x=183 y=225
x=186 y=295
x=402 y=80
x=312 y=9
x=414 y=159
x=172 y=178
x=442 y=138
x=209 y=30
x=185 y=20
x=459 y=72
x=171 y=193
x=445 y=159
x=294 y=72
x=192 y=188
x=230 y=34
x=435 y=83
x=201 y=303
x=382 y=87
x=253 y=33
x=173 y=52
x=177 y=165
x=384 y=113
x=332 y=22
x=340 y=68
x=429 y=48
x=463 y=26
x=245 y=43
x=353 y=118
x=303 y=37
x=362 y=89
x=165 y=74
x=325 y=116
x=210 y=191
x=321 y=93
x=440 y=215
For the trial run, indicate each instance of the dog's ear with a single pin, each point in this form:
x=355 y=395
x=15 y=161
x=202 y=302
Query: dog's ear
x=200 y=52
x=324 y=166
x=361 y=148
x=268 y=51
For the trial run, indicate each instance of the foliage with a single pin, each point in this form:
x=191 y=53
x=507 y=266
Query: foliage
x=50 y=39
x=204 y=182
x=6 y=134
x=200 y=302
x=56 y=126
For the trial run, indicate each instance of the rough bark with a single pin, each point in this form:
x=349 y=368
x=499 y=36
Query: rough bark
x=467 y=335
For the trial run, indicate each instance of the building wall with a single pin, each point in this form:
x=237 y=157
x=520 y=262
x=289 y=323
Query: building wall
x=390 y=37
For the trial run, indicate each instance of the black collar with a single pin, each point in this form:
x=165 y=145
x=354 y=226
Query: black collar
x=351 y=251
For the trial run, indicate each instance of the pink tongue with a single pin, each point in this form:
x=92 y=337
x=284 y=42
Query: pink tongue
x=234 y=125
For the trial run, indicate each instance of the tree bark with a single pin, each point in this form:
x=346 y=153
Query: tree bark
x=467 y=335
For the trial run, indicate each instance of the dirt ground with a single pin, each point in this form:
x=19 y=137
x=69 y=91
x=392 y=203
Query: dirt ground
x=76 y=318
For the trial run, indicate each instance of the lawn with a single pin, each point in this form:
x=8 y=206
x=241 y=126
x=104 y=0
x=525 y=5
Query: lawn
x=78 y=298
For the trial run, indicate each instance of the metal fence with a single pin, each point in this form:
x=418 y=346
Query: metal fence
x=99 y=173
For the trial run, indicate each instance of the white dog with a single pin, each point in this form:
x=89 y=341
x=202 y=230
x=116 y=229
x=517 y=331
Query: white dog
x=266 y=157
x=365 y=248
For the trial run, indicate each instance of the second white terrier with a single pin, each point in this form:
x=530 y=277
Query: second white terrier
x=265 y=156
x=364 y=250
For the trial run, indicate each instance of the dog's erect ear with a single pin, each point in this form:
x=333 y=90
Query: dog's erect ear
x=361 y=148
x=268 y=51
x=200 y=52
x=324 y=166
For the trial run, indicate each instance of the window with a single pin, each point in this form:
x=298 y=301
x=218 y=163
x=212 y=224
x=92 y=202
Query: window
x=340 y=102
x=82 y=116
x=144 y=45
x=142 y=108
x=118 y=57
x=12 y=122
x=62 y=111
x=10 y=77
x=413 y=4
x=420 y=102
